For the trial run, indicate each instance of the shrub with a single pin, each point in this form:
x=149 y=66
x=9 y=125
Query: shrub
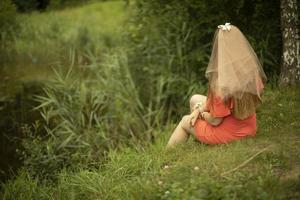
x=28 y=5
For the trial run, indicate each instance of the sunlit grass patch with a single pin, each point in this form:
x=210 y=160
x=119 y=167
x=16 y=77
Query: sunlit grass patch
x=47 y=37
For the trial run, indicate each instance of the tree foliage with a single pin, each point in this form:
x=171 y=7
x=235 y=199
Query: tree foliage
x=30 y=5
x=192 y=24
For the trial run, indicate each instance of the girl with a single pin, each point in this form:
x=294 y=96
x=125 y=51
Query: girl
x=236 y=81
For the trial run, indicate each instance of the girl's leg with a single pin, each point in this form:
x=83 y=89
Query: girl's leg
x=196 y=98
x=183 y=129
x=181 y=132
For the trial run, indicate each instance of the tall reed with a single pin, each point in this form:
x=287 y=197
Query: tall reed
x=83 y=116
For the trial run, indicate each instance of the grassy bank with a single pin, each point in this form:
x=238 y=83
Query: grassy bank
x=264 y=167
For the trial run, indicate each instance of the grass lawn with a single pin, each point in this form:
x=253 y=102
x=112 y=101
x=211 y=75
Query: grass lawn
x=46 y=38
x=264 y=167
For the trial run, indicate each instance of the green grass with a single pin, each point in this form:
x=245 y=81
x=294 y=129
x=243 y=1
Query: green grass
x=139 y=173
x=45 y=37
x=44 y=40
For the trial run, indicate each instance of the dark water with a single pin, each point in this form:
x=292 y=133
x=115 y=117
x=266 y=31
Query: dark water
x=18 y=85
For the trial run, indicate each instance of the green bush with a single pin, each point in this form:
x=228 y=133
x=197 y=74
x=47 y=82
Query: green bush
x=29 y=5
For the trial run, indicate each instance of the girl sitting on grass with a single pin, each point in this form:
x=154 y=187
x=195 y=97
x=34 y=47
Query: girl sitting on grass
x=236 y=81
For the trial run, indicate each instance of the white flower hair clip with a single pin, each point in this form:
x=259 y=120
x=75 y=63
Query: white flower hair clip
x=225 y=27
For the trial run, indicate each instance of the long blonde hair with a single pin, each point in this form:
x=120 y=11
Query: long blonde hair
x=243 y=107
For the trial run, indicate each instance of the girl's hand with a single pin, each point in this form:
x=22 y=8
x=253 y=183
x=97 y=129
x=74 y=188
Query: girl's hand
x=215 y=121
x=202 y=115
x=193 y=117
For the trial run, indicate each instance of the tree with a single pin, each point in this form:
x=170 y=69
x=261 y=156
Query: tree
x=290 y=68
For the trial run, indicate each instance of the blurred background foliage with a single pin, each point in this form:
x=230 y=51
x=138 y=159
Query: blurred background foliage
x=24 y=34
x=123 y=69
x=173 y=38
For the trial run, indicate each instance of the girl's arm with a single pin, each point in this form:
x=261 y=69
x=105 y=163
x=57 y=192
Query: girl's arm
x=215 y=121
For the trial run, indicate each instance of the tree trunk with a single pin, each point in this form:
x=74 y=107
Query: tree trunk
x=290 y=67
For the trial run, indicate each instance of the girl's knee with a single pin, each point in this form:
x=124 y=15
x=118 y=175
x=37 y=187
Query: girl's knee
x=184 y=123
x=196 y=98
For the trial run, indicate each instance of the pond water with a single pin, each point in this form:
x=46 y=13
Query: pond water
x=18 y=84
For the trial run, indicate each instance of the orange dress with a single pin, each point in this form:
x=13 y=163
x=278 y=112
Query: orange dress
x=229 y=130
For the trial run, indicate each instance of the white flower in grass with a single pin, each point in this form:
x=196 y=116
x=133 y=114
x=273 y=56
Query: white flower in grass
x=167 y=192
x=166 y=167
x=196 y=168
x=160 y=182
